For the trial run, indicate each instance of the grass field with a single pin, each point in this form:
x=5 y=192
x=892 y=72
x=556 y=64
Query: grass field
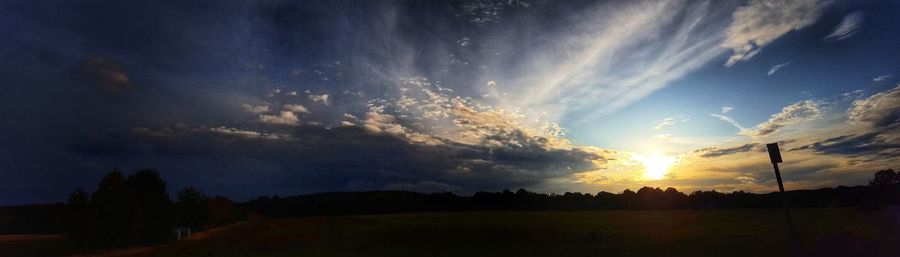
x=822 y=232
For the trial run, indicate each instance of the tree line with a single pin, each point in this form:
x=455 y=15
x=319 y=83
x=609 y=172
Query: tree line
x=137 y=209
x=882 y=190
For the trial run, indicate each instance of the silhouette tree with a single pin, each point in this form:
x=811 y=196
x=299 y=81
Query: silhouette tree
x=118 y=213
x=79 y=219
x=224 y=211
x=193 y=209
x=158 y=217
x=884 y=178
x=884 y=189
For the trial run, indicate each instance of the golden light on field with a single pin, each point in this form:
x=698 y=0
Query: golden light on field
x=656 y=166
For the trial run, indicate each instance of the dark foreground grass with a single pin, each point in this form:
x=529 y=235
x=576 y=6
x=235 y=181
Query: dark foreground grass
x=823 y=232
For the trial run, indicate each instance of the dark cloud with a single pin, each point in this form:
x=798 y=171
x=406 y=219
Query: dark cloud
x=717 y=152
x=879 y=118
x=712 y=152
x=869 y=144
x=105 y=72
x=315 y=158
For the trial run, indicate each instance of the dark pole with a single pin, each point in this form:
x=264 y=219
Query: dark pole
x=784 y=204
x=775 y=156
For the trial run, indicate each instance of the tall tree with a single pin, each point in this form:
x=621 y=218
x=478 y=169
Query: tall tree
x=885 y=189
x=158 y=217
x=885 y=178
x=118 y=213
x=79 y=219
x=193 y=209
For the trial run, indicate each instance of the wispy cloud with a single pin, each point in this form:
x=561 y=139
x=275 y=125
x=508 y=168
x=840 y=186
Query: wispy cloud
x=662 y=137
x=777 y=67
x=726 y=109
x=668 y=122
x=593 y=67
x=729 y=120
x=847 y=28
x=882 y=78
x=789 y=115
x=716 y=152
x=591 y=73
x=760 y=22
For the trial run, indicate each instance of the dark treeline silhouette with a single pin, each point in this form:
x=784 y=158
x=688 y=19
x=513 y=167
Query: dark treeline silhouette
x=884 y=189
x=137 y=210
x=31 y=219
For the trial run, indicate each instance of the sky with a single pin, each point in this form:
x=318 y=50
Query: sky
x=252 y=98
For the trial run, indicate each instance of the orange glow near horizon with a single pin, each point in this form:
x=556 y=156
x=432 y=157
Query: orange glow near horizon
x=656 y=166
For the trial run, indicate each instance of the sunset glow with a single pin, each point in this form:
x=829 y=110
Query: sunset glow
x=656 y=166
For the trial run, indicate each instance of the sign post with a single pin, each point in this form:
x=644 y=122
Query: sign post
x=775 y=156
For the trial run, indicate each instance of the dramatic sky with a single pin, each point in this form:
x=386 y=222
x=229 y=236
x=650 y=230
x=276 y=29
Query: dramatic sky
x=250 y=98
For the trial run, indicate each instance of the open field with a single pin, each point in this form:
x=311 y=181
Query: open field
x=823 y=232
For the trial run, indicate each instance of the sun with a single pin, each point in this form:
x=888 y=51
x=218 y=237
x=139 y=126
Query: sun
x=656 y=166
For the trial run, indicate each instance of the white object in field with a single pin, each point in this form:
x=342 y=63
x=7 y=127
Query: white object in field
x=182 y=233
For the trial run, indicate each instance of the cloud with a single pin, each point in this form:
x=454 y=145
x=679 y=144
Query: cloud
x=668 y=122
x=717 y=152
x=106 y=72
x=255 y=108
x=879 y=110
x=612 y=59
x=879 y=144
x=789 y=115
x=729 y=120
x=777 y=67
x=296 y=108
x=876 y=135
x=285 y=118
x=746 y=179
x=855 y=94
x=847 y=28
x=762 y=21
x=881 y=78
x=247 y=133
x=424 y=140
x=311 y=158
x=726 y=109
x=379 y=122
x=842 y=148
x=321 y=99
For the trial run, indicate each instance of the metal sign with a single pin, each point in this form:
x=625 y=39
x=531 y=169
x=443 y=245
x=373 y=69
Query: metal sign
x=774 y=153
